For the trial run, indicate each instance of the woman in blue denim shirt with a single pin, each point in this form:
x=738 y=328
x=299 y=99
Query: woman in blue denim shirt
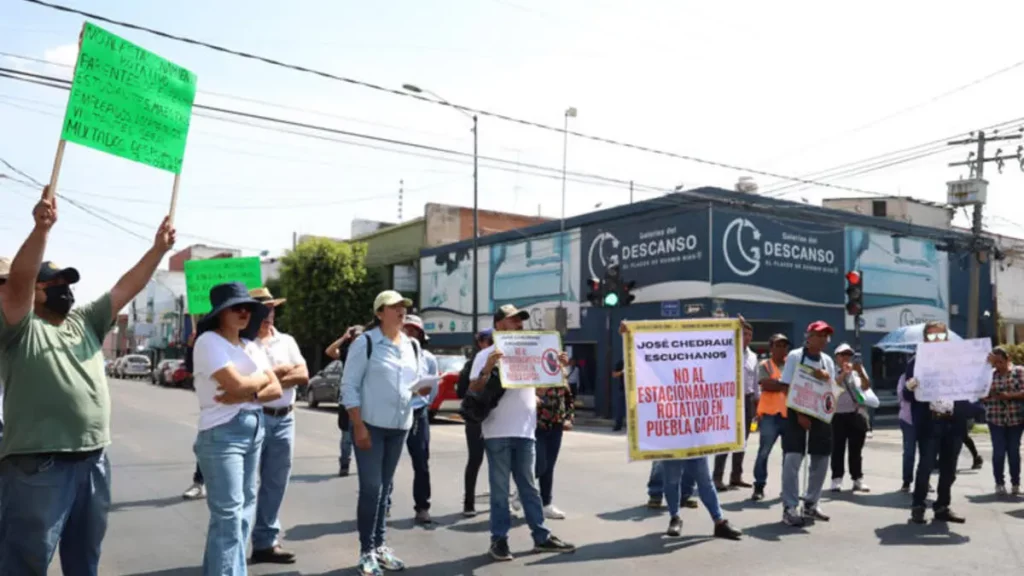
x=232 y=377
x=377 y=387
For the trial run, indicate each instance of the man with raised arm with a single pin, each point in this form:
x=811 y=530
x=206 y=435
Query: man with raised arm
x=53 y=463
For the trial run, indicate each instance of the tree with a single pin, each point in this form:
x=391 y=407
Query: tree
x=328 y=289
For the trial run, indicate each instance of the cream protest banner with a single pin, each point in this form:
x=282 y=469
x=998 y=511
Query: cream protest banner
x=684 y=388
x=812 y=397
x=953 y=370
x=530 y=359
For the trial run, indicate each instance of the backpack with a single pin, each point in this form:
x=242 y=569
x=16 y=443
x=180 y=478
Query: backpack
x=476 y=406
x=462 y=384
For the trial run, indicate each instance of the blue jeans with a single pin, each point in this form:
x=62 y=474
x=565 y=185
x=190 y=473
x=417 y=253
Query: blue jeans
x=770 y=427
x=909 y=452
x=1006 y=446
x=376 y=479
x=345 y=447
x=229 y=456
x=515 y=458
x=549 y=442
x=680 y=476
x=655 y=482
x=418 y=444
x=49 y=499
x=275 y=469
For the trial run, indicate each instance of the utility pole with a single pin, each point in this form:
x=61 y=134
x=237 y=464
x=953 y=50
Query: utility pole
x=401 y=192
x=974 y=191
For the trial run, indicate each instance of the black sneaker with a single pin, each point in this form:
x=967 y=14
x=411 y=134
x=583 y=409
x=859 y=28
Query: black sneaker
x=905 y=488
x=499 y=551
x=275 y=555
x=947 y=515
x=725 y=530
x=690 y=503
x=342 y=471
x=978 y=463
x=654 y=503
x=758 y=494
x=468 y=511
x=554 y=544
x=675 y=526
x=815 y=513
x=917 y=515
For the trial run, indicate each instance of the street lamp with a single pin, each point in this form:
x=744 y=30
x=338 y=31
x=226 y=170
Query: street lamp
x=476 y=215
x=569 y=113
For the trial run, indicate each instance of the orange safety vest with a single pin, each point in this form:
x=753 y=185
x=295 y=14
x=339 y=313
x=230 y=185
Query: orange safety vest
x=772 y=402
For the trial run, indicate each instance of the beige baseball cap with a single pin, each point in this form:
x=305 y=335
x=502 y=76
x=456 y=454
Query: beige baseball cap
x=390 y=298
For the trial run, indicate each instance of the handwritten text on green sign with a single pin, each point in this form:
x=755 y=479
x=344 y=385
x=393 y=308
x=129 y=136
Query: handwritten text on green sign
x=129 y=102
x=201 y=275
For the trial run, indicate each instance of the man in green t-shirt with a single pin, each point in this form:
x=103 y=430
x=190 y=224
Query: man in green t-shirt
x=54 y=472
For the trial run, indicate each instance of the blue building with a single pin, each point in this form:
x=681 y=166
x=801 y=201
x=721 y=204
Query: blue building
x=705 y=252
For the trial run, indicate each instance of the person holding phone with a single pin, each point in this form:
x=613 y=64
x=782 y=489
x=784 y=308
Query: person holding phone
x=850 y=422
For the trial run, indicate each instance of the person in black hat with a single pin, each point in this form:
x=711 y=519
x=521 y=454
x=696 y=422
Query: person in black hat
x=232 y=377
x=53 y=460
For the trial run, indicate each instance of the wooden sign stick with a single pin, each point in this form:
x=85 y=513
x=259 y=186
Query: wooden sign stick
x=51 y=191
x=174 y=205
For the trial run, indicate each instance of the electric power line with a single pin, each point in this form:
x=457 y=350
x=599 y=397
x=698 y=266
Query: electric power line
x=420 y=97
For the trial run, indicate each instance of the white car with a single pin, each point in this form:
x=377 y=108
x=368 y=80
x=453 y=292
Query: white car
x=134 y=366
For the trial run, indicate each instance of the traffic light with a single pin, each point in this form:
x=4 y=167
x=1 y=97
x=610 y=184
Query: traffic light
x=854 y=292
x=596 y=296
x=611 y=287
x=627 y=296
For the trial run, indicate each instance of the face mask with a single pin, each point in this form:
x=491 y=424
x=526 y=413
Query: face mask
x=59 y=299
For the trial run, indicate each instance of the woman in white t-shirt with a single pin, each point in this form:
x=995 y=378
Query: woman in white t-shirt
x=232 y=377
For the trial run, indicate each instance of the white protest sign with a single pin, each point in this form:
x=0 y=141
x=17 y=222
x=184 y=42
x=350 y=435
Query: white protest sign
x=684 y=388
x=811 y=396
x=953 y=370
x=530 y=359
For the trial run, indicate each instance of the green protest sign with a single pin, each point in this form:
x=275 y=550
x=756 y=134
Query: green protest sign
x=129 y=102
x=201 y=275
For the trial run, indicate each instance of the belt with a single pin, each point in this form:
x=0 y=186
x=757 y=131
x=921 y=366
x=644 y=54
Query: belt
x=277 y=412
x=942 y=415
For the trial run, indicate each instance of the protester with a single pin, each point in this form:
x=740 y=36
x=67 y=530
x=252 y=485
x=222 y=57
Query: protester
x=807 y=435
x=1004 y=413
x=418 y=441
x=555 y=414
x=474 y=433
x=279 y=437
x=771 y=409
x=750 y=390
x=338 y=350
x=508 y=432
x=680 y=477
x=232 y=377
x=939 y=428
x=656 y=489
x=54 y=467
x=909 y=438
x=850 y=422
x=378 y=383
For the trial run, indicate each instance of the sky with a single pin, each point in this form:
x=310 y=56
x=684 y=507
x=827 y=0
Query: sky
x=787 y=87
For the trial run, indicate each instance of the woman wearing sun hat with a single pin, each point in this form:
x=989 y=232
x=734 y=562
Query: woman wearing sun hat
x=232 y=376
x=377 y=384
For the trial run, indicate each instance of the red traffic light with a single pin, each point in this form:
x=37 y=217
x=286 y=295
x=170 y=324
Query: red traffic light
x=853 y=277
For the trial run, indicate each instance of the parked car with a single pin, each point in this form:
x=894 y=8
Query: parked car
x=134 y=366
x=181 y=377
x=449 y=366
x=161 y=375
x=325 y=385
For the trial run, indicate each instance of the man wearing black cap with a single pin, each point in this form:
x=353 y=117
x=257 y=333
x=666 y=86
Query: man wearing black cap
x=511 y=447
x=53 y=463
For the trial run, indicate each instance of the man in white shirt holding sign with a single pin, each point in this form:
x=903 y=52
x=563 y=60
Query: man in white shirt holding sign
x=279 y=438
x=805 y=434
x=510 y=446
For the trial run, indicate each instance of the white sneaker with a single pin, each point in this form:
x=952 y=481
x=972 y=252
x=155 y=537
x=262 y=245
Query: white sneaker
x=837 y=484
x=552 y=513
x=195 y=492
x=860 y=486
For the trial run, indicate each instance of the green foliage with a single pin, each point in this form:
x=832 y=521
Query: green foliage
x=1016 y=353
x=328 y=289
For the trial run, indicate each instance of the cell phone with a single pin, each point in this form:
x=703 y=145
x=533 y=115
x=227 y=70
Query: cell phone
x=857 y=359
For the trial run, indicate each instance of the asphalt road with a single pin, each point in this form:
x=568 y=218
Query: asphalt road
x=154 y=532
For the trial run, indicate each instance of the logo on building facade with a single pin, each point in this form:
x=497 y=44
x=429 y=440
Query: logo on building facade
x=749 y=260
x=603 y=252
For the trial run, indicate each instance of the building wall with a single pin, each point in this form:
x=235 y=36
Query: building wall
x=447 y=224
x=199 y=252
x=899 y=209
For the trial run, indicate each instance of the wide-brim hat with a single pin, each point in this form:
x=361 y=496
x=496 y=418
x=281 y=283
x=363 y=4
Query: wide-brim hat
x=225 y=296
x=263 y=295
x=50 y=271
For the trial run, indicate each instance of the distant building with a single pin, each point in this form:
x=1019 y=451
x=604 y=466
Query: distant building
x=199 y=252
x=899 y=208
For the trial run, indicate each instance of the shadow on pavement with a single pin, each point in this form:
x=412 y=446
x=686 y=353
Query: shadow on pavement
x=460 y=567
x=313 y=478
x=633 y=514
x=171 y=572
x=151 y=503
x=1018 y=514
x=933 y=534
x=894 y=500
x=748 y=504
x=438 y=522
x=483 y=527
x=304 y=532
x=771 y=531
x=992 y=498
x=646 y=545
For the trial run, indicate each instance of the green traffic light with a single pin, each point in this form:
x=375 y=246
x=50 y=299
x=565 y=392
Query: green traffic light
x=611 y=299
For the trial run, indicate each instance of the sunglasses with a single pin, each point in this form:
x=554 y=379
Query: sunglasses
x=937 y=336
x=240 y=308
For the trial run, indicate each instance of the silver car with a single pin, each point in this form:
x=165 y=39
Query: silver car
x=134 y=366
